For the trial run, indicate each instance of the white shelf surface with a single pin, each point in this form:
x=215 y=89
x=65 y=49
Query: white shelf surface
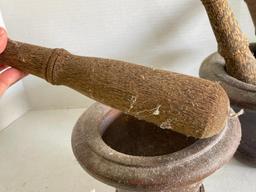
x=36 y=155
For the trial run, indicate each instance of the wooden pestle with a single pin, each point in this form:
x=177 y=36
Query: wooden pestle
x=188 y=105
x=232 y=43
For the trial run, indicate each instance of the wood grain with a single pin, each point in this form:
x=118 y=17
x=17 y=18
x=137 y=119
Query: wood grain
x=188 y=105
x=232 y=43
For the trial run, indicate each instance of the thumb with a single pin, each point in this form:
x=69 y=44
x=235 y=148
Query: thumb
x=3 y=39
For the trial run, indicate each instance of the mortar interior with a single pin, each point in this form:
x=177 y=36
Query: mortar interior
x=253 y=48
x=131 y=136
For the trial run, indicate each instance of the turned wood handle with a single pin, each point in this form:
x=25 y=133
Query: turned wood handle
x=232 y=43
x=189 y=105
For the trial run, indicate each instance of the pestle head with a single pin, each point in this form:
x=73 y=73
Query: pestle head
x=196 y=107
x=188 y=105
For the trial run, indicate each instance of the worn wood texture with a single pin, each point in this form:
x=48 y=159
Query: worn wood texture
x=242 y=98
x=232 y=43
x=251 y=4
x=132 y=162
x=189 y=105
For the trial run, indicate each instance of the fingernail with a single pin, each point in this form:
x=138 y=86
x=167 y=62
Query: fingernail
x=3 y=39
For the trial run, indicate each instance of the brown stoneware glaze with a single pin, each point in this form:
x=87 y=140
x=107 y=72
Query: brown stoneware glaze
x=134 y=155
x=242 y=96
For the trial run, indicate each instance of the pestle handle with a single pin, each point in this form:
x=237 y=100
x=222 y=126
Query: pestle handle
x=232 y=43
x=189 y=105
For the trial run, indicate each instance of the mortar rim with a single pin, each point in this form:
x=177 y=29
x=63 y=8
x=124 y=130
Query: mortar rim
x=164 y=167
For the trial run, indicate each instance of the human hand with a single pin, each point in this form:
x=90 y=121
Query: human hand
x=8 y=75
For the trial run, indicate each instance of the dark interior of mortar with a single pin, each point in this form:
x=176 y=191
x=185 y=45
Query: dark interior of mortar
x=131 y=136
x=253 y=48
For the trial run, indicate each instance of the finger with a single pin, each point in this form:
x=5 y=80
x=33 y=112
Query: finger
x=3 y=39
x=3 y=67
x=9 y=77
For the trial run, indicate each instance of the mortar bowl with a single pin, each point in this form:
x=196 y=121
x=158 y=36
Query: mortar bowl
x=134 y=155
x=242 y=96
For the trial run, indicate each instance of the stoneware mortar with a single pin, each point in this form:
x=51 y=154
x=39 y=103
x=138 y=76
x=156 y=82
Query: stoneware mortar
x=242 y=96
x=133 y=155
